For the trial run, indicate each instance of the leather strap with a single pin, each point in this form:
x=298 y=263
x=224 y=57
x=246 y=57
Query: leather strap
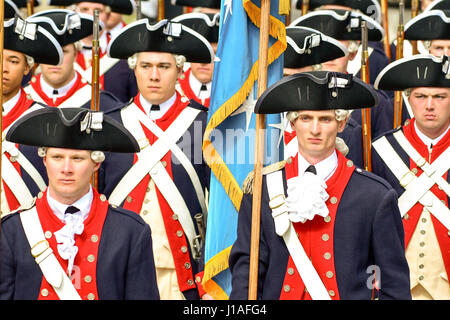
x=285 y=229
x=45 y=258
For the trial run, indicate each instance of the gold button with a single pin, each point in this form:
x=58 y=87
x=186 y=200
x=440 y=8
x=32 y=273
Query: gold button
x=424 y=220
x=325 y=237
x=33 y=79
x=421 y=255
x=44 y=292
x=190 y=282
x=146 y=200
x=129 y=199
x=290 y=271
x=448 y=233
x=414 y=170
x=329 y=274
x=91 y=258
x=421 y=278
x=331 y=293
x=88 y=279
x=422 y=244
x=145 y=212
x=40 y=195
x=406 y=216
x=91 y=296
x=349 y=163
x=175 y=216
x=187 y=265
x=421 y=266
x=287 y=288
x=289 y=160
x=102 y=198
x=12 y=159
x=94 y=238
x=48 y=234
x=184 y=249
x=327 y=255
x=422 y=231
x=333 y=200
x=164 y=163
x=29 y=97
x=327 y=219
x=179 y=233
x=198 y=279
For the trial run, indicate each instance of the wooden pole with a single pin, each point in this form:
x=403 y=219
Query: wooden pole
x=161 y=10
x=259 y=151
x=138 y=10
x=95 y=83
x=398 y=101
x=384 y=14
x=30 y=7
x=414 y=12
x=365 y=113
x=2 y=36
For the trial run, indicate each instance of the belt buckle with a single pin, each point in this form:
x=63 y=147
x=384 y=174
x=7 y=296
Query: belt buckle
x=407 y=179
x=277 y=201
x=39 y=248
x=421 y=162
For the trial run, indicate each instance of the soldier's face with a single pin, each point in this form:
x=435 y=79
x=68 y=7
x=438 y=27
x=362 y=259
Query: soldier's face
x=439 y=48
x=58 y=76
x=90 y=7
x=203 y=71
x=339 y=64
x=14 y=68
x=316 y=133
x=69 y=173
x=431 y=109
x=156 y=76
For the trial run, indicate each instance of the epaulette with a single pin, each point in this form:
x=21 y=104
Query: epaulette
x=196 y=105
x=247 y=186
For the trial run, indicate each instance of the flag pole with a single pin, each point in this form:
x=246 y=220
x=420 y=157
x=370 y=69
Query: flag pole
x=2 y=37
x=259 y=151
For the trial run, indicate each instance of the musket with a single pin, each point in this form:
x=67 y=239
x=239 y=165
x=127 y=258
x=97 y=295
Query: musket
x=365 y=113
x=414 y=12
x=305 y=7
x=161 y=10
x=384 y=14
x=138 y=10
x=2 y=37
x=95 y=93
x=398 y=102
x=30 y=7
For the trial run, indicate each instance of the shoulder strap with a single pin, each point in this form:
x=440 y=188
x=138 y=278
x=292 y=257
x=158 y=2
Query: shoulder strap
x=284 y=228
x=45 y=258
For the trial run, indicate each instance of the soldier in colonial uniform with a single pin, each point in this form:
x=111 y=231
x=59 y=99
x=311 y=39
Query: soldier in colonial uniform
x=195 y=83
x=165 y=182
x=21 y=180
x=415 y=160
x=62 y=86
x=71 y=244
x=115 y=76
x=327 y=228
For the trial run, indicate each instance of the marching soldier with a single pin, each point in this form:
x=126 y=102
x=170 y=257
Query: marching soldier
x=115 y=76
x=21 y=180
x=71 y=244
x=165 y=182
x=324 y=223
x=62 y=86
x=195 y=83
x=415 y=160
x=306 y=49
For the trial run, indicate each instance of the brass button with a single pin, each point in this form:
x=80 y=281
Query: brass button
x=325 y=237
x=175 y=216
x=179 y=233
x=329 y=274
x=327 y=219
x=333 y=200
x=327 y=255
x=422 y=244
x=190 y=282
x=102 y=198
x=198 y=279
x=164 y=163
x=421 y=278
x=187 y=265
x=129 y=199
x=421 y=266
x=94 y=238
x=91 y=258
x=331 y=293
x=184 y=249
x=349 y=163
x=44 y=292
x=424 y=220
x=414 y=170
x=406 y=216
x=40 y=195
x=287 y=288
x=145 y=212
x=289 y=160
x=12 y=159
x=422 y=231
x=290 y=271
x=91 y=296
x=48 y=234
x=421 y=255
x=146 y=200
x=88 y=279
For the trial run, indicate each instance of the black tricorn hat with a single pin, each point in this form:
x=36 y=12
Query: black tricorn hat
x=215 y=4
x=429 y=25
x=421 y=70
x=207 y=24
x=371 y=8
x=66 y=26
x=11 y=9
x=32 y=40
x=119 y=6
x=340 y=24
x=438 y=5
x=164 y=36
x=306 y=47
x=316 y=90
x=72 y=128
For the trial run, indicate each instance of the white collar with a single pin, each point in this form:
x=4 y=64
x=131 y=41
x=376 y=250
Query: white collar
x=428 y=141
x=11 y=103
x=83 y=204
x=324 y=168
x=116 y=29
x=164 y=107
x=196 y=86
x=48 y=89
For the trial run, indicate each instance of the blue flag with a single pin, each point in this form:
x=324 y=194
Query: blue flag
x=229 y=141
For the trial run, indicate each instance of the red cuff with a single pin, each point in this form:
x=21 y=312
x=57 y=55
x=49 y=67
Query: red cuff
x=198 y=281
